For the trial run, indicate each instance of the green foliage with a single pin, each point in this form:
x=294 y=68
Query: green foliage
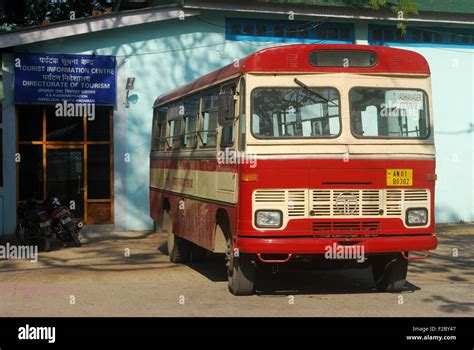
x=46 y=11
x=5 y=27
x=403 y=9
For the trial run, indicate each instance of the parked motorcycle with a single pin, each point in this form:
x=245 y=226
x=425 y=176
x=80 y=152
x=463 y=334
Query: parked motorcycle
x=64 y=226
x=34 y=225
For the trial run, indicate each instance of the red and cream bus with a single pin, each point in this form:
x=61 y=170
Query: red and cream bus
x=296 y=150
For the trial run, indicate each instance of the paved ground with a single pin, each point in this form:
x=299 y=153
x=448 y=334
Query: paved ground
x=104 y=282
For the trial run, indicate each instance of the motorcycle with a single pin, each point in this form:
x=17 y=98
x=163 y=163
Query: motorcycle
x=34 y=225
x=65 y=227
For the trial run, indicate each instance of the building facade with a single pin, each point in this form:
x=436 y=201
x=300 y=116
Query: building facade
x=102 y=164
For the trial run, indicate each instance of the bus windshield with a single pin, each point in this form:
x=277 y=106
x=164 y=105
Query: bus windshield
x=389 y=113
x=295 y=112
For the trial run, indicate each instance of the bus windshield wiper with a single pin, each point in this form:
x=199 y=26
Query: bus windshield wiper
x=307 y=88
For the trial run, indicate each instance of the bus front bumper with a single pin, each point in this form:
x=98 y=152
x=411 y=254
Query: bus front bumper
x=316 y=245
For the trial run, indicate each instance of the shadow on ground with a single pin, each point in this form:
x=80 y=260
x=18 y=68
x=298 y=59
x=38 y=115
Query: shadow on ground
x=298 y=279
x=452 y=263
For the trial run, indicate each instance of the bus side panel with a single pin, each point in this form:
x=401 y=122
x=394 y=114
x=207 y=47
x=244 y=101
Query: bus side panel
x=197 y=221
x=194 y=215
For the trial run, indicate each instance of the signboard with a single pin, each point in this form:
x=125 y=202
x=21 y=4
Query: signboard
x=409 y=100
x=59 y=78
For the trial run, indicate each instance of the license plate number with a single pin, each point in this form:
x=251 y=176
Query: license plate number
x=399 y=177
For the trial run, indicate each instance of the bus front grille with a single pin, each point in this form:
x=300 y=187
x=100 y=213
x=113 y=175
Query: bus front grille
x=346 y=226
x=363 y=203
x=341 y=203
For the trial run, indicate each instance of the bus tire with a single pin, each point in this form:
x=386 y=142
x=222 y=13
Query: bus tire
x=198 y=254
x=389 y=272
x=241 y=273
x=178 y=248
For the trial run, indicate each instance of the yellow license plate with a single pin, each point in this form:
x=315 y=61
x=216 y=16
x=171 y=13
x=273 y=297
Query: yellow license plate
x=399 y=177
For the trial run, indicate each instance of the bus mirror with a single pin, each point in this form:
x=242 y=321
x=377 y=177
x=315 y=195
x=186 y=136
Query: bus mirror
x=226 y=109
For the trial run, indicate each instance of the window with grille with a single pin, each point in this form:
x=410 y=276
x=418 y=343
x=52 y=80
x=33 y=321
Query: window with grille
x=289 y=31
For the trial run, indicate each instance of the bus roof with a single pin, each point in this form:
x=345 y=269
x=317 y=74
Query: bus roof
x=294 y=59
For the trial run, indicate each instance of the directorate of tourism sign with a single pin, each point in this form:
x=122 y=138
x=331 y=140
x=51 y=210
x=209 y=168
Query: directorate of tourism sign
x=56 y=78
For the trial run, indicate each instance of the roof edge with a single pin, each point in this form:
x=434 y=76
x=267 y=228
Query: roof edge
x=92 y=24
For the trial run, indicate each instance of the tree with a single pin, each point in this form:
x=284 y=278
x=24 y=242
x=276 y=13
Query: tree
x=46 y=11
x=403 y=9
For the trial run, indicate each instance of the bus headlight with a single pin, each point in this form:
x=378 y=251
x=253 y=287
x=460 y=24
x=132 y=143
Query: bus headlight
x=417 y=216
x=268 y=218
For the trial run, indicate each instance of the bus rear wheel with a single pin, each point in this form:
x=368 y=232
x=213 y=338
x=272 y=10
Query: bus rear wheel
x=389 y=272
x=241 y=271
x=179 y=249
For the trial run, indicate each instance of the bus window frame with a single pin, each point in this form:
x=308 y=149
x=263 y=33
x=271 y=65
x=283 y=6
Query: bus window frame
x=242 y=126
x=156 y=135
x=296 y=137
x=201 y=131
x=226 y=88
x=213 y=109
x=428 y=114
x=176 y=140
x=184 y=135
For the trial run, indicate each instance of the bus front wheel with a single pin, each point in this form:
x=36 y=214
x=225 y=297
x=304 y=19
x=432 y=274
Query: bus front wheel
x=241 y=271
x=179 y=249
x=389 y=272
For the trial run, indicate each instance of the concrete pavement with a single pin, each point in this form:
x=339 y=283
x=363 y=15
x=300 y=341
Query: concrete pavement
x=129 y=274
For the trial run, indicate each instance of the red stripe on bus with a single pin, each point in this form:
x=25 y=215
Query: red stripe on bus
x=192 y=164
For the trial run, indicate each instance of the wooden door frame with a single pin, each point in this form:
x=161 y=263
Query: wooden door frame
x=71 y=144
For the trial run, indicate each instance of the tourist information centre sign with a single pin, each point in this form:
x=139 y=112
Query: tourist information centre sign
x=58 y=78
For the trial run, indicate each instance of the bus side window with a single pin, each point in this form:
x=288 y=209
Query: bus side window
x=209 y=129
x=174 y=121
x=227 y=138
x=176 y=141
x=208 y=132
x=190 y=112
x=160 y=132
x=189 y=139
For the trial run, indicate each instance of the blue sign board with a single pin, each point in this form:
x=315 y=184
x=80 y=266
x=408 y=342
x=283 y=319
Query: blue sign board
x=56 y=78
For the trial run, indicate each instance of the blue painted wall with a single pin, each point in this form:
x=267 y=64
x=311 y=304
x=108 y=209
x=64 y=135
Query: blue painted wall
x=162 y=56
x=453 y=109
